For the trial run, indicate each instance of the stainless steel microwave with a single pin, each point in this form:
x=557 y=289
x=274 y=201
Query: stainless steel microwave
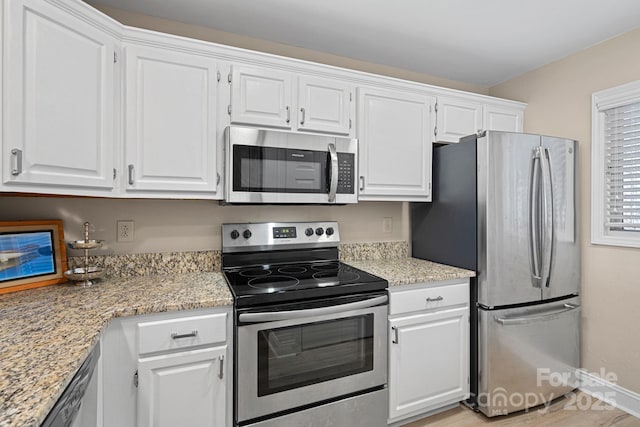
x=271 y=166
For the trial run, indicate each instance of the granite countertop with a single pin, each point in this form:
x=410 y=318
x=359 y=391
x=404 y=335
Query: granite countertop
x=404 y=271
x=46 y=333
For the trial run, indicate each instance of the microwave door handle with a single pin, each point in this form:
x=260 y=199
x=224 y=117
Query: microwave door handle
x=333 y=183
x=273 y=316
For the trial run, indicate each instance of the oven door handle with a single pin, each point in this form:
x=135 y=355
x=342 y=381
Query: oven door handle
x=310 y=312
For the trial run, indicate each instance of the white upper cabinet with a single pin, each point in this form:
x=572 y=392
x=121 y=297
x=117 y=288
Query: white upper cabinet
x=324 y=105
x=394 y=133
x=59 y=98
x=170 y=121
x=261 y=97
x=94 y=108
x=268 y=97
x=456 y=118
x=502 y=118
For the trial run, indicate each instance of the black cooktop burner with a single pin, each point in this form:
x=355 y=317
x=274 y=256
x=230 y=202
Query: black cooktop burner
x=255 y=272
x=273 y=283
x=298 y=281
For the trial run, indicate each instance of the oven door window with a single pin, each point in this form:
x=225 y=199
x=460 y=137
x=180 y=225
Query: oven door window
x=279 y=170
x=296 y=356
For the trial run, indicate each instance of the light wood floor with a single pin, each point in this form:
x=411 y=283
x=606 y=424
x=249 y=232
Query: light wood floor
x=580 y=410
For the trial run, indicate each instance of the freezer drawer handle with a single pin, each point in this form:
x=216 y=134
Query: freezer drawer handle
x=521 y=320
x=438 y=298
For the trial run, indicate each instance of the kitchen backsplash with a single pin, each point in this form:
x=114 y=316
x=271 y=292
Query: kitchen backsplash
x=132 y=265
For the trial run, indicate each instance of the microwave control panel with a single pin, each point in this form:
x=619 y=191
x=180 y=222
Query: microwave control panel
x=346 y=173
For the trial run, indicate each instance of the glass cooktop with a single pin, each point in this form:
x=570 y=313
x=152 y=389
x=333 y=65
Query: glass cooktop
x=298 y=281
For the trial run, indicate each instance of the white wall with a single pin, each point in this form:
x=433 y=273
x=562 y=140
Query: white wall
x=192 y=225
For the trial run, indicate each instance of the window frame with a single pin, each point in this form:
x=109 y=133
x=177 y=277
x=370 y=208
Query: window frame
x=628 y=93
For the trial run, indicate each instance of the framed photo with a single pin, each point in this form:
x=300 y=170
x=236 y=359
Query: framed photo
x=32 y=254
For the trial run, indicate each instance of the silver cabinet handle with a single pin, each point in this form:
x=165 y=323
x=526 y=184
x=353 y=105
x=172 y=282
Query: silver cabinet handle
x=177 y=336
x=302 y=114
x=333 y=184
x=395 y=335
x=361 y=183
x=221 y=366
x=17 y=155
x=131 y=177
x=288 y=114
x=435 y=132
x=438 y=298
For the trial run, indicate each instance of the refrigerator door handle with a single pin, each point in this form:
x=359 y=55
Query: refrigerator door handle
x=534 y=220
x=547 y=215
x=548 y=315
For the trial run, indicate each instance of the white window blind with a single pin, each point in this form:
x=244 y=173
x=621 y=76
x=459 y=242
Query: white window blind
x=622 y=168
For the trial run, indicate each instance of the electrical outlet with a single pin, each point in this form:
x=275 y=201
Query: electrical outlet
x=126 y=231
x=387 y=225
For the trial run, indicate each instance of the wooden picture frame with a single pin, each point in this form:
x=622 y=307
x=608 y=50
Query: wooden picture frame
x=32 y=254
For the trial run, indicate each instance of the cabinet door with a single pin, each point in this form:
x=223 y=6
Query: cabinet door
x=324 y=105
x=428 y=361
x=261 y=97
x=456 y=118
x=182 y=389
x=170 y=121
x=498 y=118
x=394 y=132
x=59 y=98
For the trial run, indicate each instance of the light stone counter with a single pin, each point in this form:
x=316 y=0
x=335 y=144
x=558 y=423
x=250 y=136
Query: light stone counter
x=404 y=271
x=46 y=333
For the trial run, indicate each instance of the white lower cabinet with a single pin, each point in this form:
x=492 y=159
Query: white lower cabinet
x=168 y=369
x=186 y=388
x=428 y=348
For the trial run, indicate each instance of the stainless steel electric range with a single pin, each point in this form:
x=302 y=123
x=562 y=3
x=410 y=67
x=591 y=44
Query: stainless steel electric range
x=310 y=337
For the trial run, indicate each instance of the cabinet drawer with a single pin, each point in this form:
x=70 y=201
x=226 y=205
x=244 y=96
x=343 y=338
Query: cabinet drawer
x=428 y=298
x=181 y=333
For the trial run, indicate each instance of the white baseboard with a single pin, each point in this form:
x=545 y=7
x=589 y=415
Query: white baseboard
x=613 y=394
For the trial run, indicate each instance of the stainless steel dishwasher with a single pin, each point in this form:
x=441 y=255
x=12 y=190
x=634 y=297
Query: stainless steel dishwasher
x=66 y=409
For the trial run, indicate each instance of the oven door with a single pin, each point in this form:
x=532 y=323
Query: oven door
x=269 y=166
x=292 y=358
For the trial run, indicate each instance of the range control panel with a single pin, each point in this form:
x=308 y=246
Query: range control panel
x=265 y=236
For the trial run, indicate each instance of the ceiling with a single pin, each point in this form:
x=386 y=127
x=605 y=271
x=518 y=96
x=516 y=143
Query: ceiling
x=482 y=42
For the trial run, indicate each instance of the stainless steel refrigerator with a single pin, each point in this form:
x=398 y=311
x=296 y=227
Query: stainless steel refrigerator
x=505 y=205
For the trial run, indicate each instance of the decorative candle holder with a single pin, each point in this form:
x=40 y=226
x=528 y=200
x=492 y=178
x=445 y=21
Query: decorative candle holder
x=85 y=275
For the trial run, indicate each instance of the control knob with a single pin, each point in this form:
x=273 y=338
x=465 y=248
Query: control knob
x=246 y=234
x=319 y=231
x=235 y=234
x=329 y=231
x=308 y=231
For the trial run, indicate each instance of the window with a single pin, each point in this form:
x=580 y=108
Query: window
x=615 y=166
